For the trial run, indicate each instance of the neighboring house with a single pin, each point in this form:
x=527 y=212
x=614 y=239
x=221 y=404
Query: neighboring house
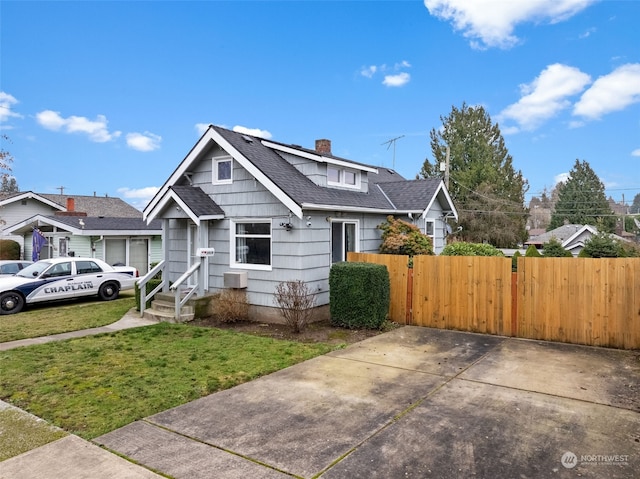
x=572 y=237
x=275 y=212
x=101 y=227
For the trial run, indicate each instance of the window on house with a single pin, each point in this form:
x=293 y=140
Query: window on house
x=343 y=239
x=430 y=228
x=343 y=177
x=222 y=170
x=251 y=244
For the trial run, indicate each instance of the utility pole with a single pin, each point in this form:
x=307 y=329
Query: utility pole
x=390 y=142
x=445 y=167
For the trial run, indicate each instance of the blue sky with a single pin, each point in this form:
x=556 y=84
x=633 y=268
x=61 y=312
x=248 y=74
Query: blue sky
x=108 y=97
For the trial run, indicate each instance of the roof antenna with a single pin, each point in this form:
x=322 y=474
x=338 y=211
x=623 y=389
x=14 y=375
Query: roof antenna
x=390 y=142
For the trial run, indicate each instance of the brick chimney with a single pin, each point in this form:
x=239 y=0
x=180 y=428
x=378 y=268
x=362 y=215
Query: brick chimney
x=71 y=204
x=323 y=146
x=71 y=209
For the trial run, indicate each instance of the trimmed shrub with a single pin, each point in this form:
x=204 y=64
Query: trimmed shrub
x=9 y=249
x=532 y=252
x=231 y=305
x=462 y=248
x=359 y=295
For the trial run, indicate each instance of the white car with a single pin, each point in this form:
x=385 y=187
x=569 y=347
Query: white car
x=63 y=278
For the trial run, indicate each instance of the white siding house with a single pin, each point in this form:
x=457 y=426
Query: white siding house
x=280 y=212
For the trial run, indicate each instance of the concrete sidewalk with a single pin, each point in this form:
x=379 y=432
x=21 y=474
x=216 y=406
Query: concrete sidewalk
x=412 y=403
x=130 y=320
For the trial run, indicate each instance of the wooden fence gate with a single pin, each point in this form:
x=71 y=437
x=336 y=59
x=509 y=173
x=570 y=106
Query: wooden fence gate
x=576 y=300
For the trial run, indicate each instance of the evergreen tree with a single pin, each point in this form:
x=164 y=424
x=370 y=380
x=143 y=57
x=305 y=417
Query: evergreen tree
x=581 y=200
x=486 y=189
x=635 y=206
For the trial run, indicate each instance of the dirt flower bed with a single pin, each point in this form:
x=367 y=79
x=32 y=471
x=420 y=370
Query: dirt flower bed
x=318 y=332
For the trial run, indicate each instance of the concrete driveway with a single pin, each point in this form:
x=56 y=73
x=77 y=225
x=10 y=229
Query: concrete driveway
x=412 y=403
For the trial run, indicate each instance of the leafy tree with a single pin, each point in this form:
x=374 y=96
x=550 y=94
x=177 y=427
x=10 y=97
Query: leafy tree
x=581 y=200
x=514 y=261
x=486 y=189
x=463 y=248
x=635 y=206
x=9 y=185
x=554 y=249
x=6 y=159
x=400 y=237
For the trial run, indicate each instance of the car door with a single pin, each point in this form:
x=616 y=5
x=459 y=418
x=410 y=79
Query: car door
x=89 y=277
x=58 y=280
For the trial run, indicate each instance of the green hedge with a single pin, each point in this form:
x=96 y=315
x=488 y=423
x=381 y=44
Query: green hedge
x=359 y=295
x=9 y=249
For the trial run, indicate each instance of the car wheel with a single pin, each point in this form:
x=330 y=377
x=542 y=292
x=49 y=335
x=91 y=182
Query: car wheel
x=11 y=303
x=108 y=291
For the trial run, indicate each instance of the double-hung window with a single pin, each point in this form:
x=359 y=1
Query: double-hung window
x=430 y=228
x=222 y=170
x=251 y=244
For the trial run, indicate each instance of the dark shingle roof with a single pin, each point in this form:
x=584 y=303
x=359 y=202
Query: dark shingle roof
x=97 y=205
x=197 y=200
x=409 y=194
x=110 y=223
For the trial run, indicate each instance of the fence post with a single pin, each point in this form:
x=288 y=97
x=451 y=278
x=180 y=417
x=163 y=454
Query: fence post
x=409 y=313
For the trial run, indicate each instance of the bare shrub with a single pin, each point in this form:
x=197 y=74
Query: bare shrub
x=295 y=301
x=231 y=305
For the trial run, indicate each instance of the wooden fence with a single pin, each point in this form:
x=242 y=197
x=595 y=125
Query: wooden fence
x=576 y=300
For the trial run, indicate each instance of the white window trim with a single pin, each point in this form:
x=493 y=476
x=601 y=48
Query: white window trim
x=214 y=166
x=432 y=222
x=232 y=245
x=341 y=183
x=344 y=221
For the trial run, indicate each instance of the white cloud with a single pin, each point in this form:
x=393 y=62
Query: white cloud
x=561 y=178
x=400 y=79
x=490 y=23
x=6 y=104
x=253 y=132
x=611 y=92
x=393 y=76
x=96 y=130
x=635 y=152
x=369 y=71
x=546 y=95
x=139 y=197
x=201 y=128
x=143 y=141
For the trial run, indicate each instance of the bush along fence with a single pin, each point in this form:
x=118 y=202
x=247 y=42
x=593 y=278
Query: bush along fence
x=575 y=300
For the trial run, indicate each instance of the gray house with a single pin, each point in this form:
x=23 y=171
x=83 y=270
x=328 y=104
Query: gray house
x=274 y=212
x=101 y=227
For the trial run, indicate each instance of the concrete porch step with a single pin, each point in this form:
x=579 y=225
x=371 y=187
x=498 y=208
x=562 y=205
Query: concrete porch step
x=167 y=316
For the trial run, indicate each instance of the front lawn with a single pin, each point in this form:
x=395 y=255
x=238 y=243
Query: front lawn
x=93 y=385
x=55 y=318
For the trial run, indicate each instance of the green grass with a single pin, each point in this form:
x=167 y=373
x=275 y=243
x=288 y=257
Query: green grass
x=32 y=433
x=41 y=320
x=93 y=385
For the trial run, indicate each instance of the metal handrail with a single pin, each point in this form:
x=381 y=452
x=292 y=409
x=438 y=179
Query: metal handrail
x=176 y=287
x=142 y=283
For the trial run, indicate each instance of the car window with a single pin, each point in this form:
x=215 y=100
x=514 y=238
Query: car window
x=60 y=269
x=84 y=267
x=34 y=269
x=11 y=268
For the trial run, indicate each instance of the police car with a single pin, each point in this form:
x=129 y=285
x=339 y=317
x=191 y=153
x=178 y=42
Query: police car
x=63 y=278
